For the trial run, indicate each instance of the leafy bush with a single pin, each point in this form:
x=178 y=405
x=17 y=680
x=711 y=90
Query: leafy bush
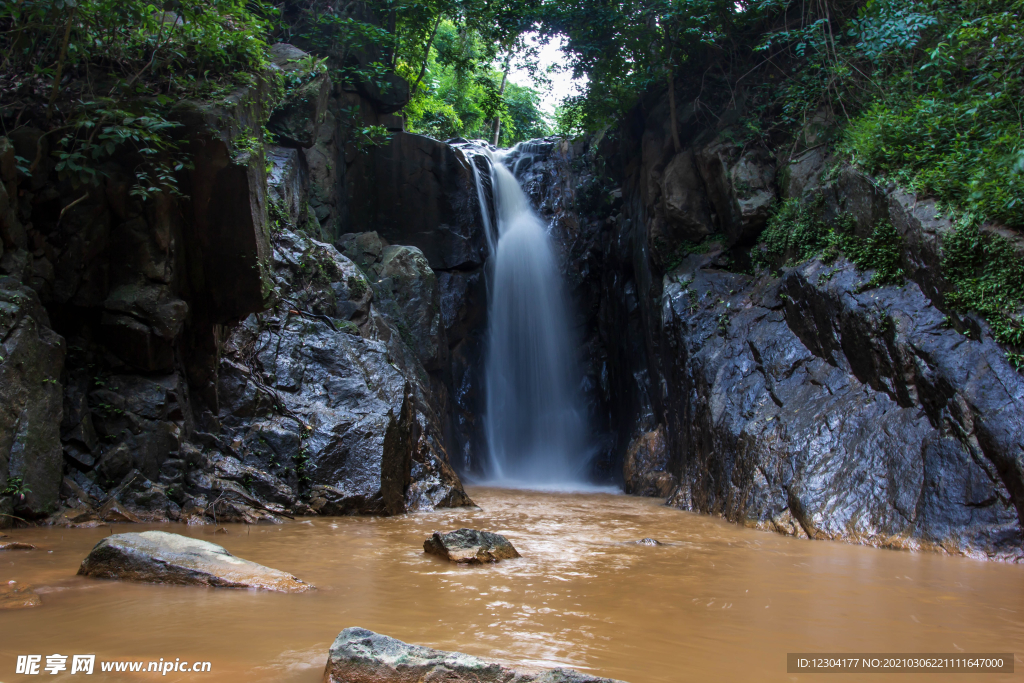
x=130 y=37
x=125 y=64
x=797 y=232
x=947 y=119
x=986 y=276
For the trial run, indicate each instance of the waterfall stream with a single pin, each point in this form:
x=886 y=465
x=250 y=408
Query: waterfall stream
x=533 y=418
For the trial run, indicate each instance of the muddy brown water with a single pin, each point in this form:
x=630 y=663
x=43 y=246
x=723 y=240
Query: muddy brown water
x=720 y=603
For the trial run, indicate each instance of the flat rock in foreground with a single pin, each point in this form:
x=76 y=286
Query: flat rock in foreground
x=470 y=545
x=362 y=656
x=161 y=557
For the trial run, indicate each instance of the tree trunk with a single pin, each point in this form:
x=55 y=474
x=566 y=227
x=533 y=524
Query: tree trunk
x=672 y=111
x=501 y=92
x=60 y=64
x=426 y=56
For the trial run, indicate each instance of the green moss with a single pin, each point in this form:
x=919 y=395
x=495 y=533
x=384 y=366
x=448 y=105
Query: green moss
x=317 y=267
x=347 y=326
x=276 y=214
x=356 y=286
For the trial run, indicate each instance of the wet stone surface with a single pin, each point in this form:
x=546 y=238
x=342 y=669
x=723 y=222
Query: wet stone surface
x=160 y=557
x=470 y=546
x=362 y=656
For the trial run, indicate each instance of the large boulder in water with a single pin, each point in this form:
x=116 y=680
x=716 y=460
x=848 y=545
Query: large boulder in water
x=362 y=656
x=161 y=557
x=470 y=545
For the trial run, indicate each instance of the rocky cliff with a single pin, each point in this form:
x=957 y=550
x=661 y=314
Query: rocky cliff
x=271 y=340
x=808 y=396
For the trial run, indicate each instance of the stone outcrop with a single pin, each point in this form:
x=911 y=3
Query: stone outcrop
x=160 y=557
x=470 y=546
x=648 y=541
x=413 y=191
x=361 y=656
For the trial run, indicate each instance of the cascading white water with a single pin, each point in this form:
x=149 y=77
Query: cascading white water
x=533 y=417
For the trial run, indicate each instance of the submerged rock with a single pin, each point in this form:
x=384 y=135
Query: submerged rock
x=470 y=545
x=15 y=596
x=161 y=557
x=648 y=541
x=16 y=545
x=362 y=656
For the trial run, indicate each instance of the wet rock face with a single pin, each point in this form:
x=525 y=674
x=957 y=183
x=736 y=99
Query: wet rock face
x=836 y=415
x=409 y=282
x=361 y=656
x=30 y=404
x=739 y=185
x=160 y=557
x=417 y=191
x=470 y=546
x=643 y=468
x=360 y=431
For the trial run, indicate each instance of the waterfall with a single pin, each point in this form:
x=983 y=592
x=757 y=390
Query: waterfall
x=533 y=418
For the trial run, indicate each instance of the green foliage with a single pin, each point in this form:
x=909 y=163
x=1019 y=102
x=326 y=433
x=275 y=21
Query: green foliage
x=986 y=276
x=947 y=117
x=131 y=61
x=101 y=130
x=301 y=461
x=246 y=144
x=15 y=487
x=626 y=48
x=881 y=251
x=796 y=232
x=462 y=92
x=277 y=215
x=130 y=35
